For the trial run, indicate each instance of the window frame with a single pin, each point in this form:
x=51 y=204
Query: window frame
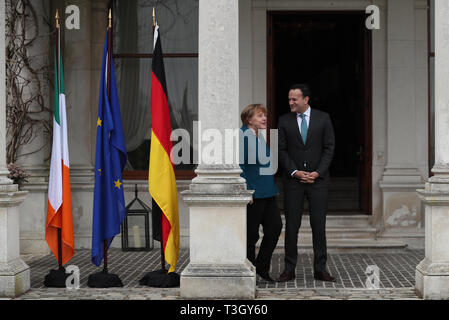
x=143 y=174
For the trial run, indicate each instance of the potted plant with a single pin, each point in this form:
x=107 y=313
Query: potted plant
x=17 y=174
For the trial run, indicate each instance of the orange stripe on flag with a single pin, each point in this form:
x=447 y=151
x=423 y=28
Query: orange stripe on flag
x=61 y=219
x=162 y=186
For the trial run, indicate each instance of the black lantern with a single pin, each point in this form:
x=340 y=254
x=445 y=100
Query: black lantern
x=136 y=227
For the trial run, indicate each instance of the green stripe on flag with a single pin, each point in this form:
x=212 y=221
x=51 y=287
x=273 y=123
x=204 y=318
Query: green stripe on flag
x=61 y=72
x=56 y=114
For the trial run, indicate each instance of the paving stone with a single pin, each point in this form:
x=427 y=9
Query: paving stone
x=396 y=276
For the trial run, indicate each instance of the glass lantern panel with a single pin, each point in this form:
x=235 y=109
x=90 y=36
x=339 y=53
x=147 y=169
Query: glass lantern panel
x=136 y=231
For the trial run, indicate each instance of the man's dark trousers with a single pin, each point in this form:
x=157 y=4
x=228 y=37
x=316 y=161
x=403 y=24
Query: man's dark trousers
x=295 y=194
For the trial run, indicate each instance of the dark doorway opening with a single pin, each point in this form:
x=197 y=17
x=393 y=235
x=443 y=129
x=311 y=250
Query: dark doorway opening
x=331 y=51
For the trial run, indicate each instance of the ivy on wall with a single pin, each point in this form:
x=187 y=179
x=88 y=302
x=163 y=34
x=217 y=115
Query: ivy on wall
x=27 y=78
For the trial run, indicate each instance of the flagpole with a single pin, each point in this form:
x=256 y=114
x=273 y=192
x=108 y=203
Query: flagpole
x=108 y=85
x=104 y=279
x=160 y=278
x=58 y=64
x=57 y=278
x=109 y=54
x=154 y=202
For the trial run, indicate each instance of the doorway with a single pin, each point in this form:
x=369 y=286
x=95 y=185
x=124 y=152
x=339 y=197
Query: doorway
x=330 y=51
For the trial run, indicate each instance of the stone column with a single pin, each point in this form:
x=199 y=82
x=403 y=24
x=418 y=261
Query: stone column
x=14 y=273
x=432 y=274
x=402 y=175
x=79 y=59
x=217 y=197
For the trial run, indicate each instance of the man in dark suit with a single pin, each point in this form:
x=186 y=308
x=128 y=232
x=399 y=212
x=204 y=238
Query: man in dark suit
x=306 y=148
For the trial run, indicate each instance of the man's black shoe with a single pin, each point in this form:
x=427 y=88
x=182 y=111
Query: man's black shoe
x=323 y=276
x=265 y=276
x=286 y=276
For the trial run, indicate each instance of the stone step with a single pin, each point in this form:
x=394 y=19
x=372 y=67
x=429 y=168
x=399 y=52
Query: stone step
x=344 y=204
x=305 y=233
x=335 y=221
x=337 y=227
x=334 y=203
x=337 y=193
x=352 y=236
x=351 y=245
x=344 y=194
x=343 y=233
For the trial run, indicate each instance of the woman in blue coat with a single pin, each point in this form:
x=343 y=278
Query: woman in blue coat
x=255 y=162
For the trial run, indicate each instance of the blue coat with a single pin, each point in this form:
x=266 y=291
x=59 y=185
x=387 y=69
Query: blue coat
x=253 y=164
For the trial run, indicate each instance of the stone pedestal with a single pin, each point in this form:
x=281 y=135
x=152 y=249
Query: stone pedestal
x=14 y=272
x=432 y=274
x=401 y=206
x=218 y=265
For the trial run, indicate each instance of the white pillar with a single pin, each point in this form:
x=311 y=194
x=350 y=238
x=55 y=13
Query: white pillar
x=402 y=176
x=432 y=274
x=218 y=197
x=81 y=56
x=14 y=273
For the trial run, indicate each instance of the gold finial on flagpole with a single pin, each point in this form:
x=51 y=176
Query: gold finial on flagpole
x=110 y=18
x=57 y=18
x=154 y=18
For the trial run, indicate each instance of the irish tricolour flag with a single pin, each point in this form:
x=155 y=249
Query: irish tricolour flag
x=59 y=211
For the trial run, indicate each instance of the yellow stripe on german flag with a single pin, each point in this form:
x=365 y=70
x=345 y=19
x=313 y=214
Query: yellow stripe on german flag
x=162 y=186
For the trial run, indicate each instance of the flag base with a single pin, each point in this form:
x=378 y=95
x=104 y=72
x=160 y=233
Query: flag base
x=104 y=279
x=160 y=279
x=56 y=278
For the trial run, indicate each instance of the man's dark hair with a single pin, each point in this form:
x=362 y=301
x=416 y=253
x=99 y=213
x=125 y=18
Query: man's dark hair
x=304 y=89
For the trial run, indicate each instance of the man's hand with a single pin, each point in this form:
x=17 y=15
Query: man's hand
x=306 y=177
x=301 y=175
x=313 y=176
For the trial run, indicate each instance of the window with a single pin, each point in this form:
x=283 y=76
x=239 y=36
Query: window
x=132 y=50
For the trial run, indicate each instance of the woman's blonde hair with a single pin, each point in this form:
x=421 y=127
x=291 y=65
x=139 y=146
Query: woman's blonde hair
x=249 y=111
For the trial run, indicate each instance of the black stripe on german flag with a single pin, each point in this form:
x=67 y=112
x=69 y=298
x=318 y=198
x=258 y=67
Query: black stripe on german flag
x=157 y=65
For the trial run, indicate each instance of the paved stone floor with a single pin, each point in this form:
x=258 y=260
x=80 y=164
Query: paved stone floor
x=397 y=272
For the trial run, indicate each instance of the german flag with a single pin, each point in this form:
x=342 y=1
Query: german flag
x=161 y=179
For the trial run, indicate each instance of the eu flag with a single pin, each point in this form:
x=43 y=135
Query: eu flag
x=110 y=160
